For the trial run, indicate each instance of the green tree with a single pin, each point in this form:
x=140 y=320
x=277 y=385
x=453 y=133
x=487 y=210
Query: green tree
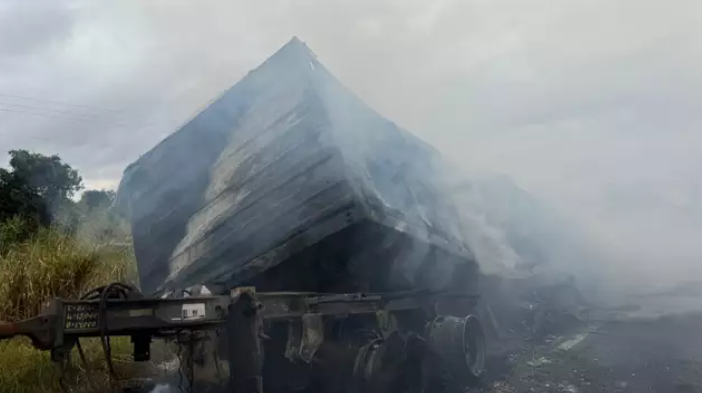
x=36 y=186
x=98 y=222
x=50 y=177
x=97 y=199
x=17 y=199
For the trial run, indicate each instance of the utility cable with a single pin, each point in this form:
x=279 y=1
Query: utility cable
x=58 y=103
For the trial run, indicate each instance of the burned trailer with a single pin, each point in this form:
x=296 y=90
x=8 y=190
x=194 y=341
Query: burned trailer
x=290 y=183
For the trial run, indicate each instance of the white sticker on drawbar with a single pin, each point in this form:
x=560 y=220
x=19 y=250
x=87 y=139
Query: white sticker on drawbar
x=193 y=311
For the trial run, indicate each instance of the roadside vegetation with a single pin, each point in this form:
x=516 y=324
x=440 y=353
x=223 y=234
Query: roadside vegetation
x=53 y=246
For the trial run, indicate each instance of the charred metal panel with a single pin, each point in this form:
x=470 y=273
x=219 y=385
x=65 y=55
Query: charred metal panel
x=280 y=166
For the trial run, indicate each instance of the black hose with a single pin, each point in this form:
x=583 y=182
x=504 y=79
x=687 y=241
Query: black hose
x=102 y=294
x=124 y=289
x=63 y=368
x=104 y=337
x=82 y=354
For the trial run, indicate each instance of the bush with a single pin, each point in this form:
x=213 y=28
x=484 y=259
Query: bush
x=33 y=270
x=14 y=231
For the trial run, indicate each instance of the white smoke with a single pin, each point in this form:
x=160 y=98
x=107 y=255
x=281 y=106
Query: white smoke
x=162 y=388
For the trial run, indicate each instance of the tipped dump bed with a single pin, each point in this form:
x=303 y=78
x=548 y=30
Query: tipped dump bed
x=290 y=182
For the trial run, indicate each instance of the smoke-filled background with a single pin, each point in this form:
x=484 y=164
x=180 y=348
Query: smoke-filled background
x=588 y=110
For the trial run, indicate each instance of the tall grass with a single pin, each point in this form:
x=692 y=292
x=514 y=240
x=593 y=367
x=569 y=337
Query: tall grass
x=35 y=269
x=52 y=264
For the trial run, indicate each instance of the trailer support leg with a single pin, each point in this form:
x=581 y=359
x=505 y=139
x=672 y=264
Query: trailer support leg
x=245 y=350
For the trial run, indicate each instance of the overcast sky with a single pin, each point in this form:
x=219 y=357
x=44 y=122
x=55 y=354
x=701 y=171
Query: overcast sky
x=593 y=105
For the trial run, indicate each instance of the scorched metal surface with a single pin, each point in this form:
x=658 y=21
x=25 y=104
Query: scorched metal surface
x=289 y=166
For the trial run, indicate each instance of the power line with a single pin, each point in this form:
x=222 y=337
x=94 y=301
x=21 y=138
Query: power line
x=88 y=115
x=57 y=114
x=83 y=115
x=32 y=137
x=84 y=121
x=87 y=121
x=58 y=102
x=75 y=116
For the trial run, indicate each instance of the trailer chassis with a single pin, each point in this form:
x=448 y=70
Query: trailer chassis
x=453 y=345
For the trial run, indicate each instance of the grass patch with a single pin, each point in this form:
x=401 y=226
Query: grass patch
x=24 y=369
x=37 y=269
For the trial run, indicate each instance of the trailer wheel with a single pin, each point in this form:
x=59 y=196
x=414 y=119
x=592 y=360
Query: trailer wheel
x=458 y=345
x=392 y=365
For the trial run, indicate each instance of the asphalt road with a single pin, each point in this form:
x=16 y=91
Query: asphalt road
x=662 y=355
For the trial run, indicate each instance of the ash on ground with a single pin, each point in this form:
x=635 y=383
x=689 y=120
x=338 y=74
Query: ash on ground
x=559 y=343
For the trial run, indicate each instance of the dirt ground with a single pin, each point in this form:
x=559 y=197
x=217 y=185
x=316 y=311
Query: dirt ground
x=662 y=355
